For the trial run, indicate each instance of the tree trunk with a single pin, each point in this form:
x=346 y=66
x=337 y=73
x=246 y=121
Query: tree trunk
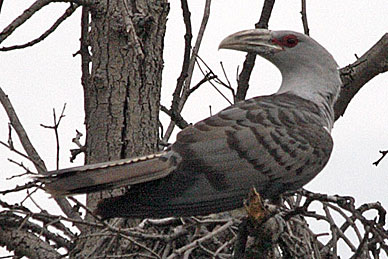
x=123 y=91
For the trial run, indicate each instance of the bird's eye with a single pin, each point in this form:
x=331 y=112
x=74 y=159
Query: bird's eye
x=290 y=41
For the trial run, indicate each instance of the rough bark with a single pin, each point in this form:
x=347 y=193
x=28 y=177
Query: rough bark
x=16 y=236
x=24 y=243
x=123 y=91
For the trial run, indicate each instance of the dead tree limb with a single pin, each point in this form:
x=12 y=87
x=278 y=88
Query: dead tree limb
x=357 y=74
x=304 y=18
x=22 y=134
x=177 y=108
x=69 y=11
x=30 y=11
x=24 y=243
x=32 y=153
x=186 y=56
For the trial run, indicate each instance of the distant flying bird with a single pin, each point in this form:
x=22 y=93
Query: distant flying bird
x=275 y=143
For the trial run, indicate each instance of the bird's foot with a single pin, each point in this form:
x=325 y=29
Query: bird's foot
x=255 y=208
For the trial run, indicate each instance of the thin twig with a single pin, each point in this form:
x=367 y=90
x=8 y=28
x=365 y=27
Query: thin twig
x=45 y=218
x=16 y=151
x=245 y=75
x=27 y=171
x=335 y=230
x=69 y=11
x=304 y=18
x=29 y=196
x=190 y=69
x=211 y=83
x=227 y=80
x=55 y=128
x=208 y=77
x=26 y=186
x=194 y=53
x=30 y=11
x=196 y=242
x=31 y=152
x=176 y=118
x=349 y=221
x=383 y=154
x=216 y=79
x=22 y=134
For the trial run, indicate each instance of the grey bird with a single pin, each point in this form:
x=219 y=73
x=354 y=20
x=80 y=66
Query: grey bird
x=275 y=143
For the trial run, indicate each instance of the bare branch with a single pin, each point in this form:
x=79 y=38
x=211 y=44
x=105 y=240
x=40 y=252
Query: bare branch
x=1 y=4
x=349 y=221
x=245 y=75
x=28 y=172
x=30 y=11
x=20 y=188
x=186 y=56
x=190 y=68
x=32 y=153
x=53 y=220
x=25 y=141
x=69 y=11
x=80 y=149
x=10 y=141
x=198 y=241
x=383 y=154
x=194 y=54
x=15 y=150
x=265 y=14
x=208 y=77
x=55 y=128
x=227 y=79
x=23 y=242
x=362 y=248
x=356 y=75
x=176 y=118
x=304 y=18
x=217 y=80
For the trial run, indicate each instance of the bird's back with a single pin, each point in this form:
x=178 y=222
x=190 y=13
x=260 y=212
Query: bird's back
x=274 y=143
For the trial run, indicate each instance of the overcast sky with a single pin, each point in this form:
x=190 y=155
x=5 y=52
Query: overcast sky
x=46 y=76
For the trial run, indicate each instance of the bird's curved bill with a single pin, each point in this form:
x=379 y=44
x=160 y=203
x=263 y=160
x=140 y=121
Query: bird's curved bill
x=256 y=40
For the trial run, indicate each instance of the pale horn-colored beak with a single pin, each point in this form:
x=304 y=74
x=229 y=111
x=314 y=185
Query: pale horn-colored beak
x=258 y=41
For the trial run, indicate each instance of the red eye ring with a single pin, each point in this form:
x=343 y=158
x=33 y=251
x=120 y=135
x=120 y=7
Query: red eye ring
x=288 y=41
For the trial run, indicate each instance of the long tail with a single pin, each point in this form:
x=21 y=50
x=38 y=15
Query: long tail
x=108 y=175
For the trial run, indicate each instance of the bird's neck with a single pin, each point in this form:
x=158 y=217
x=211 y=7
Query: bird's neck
x=315 y=84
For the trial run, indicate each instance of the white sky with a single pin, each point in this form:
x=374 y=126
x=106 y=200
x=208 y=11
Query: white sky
x=46 y=76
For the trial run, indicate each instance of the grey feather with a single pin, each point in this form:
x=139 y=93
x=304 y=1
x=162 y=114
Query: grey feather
x=109 y=175
x=275 y=143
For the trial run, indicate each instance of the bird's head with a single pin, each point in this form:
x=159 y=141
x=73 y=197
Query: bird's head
x=308 y=69
x=288 y=50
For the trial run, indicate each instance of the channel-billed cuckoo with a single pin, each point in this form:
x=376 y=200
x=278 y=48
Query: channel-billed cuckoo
x=275 y=143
